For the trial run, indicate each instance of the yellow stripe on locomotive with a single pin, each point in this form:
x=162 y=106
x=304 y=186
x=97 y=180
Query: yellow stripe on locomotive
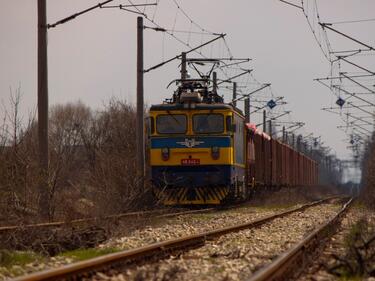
x=196 y=154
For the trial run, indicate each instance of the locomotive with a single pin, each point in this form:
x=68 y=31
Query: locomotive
x=203 y=152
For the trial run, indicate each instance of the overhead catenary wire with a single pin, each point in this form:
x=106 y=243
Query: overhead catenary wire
x=190 y=19
x=168 y=32
x=327 y=25
x=178 y=56
x=335 y=57
x=312 y=28
x=71 y=17
x=227 y=68
x=204 y=32
x=353 y=21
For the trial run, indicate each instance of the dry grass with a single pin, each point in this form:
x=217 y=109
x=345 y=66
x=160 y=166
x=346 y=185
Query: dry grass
x=367 y=194
x=359 y=259
x=294 y=195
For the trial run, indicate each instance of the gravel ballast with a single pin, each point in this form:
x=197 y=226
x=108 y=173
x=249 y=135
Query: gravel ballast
x=235 y=256
x=337 y=246
x=153 y=230
x=184 y=225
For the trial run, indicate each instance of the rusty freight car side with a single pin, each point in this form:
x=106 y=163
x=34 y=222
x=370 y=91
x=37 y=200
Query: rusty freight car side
x=272 y=163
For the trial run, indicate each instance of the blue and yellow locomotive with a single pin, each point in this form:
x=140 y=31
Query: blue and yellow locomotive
x=197 y=147
x=203 y=152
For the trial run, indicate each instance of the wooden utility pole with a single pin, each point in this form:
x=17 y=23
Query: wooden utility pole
x=140 y=140
x=284 y=136
x=44 y=206
x=234 y=98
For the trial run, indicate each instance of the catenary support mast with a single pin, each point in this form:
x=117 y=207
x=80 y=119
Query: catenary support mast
x=140 y=145
x=44 y=208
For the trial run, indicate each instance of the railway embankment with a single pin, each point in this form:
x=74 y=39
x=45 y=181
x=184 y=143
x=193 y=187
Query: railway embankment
x=350 y=253
x=131 y=233
x=234 y=256
x=134 y=230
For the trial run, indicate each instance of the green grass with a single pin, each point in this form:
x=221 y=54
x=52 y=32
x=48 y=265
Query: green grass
x=84 y=254
x=351 y=278
x=359 y=205
x=356 y=232
x=11 y=258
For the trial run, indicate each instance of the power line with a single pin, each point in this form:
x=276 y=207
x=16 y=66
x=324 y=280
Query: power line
x=352 y=21
x=178 y=39
x=312 y=28
x=327 y=25
x=69 y=18
x=190 y=19
x=180 y=31
x=291 y=4
x=178 y=56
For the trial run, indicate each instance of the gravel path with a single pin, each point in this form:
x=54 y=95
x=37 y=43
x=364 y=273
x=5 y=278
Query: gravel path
x=318 y=271
x=234 y=256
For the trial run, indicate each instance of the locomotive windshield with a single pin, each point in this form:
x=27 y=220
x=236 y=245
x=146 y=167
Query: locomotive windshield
x=171 y=124
x=208 y=123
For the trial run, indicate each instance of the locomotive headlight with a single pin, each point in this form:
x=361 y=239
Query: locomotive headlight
x=165 y=153
x=215 y=152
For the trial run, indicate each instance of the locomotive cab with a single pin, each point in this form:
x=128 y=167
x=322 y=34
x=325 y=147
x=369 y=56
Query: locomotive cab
x=197 y=152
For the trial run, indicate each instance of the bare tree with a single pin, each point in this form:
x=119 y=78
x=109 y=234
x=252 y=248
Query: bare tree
x=16 y=158
x=92 y=159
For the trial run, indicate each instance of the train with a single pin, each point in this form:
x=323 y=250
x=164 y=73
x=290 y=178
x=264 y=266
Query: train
x=203 y=152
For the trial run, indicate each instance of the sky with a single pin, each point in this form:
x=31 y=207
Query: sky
x=93 y=57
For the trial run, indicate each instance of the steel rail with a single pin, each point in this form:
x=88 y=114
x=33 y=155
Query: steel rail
x=158 y=213
x=295 y=258
x=158 y=250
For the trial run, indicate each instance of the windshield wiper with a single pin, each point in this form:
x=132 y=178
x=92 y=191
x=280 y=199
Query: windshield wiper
x=174 y=118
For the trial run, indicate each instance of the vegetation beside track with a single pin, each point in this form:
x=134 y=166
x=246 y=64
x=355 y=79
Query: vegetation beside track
x=349 y=254
x=358 y=258
x=150 y=232
x=20 y=258
x=184 y=241
x=92 y=163
x=367 y=193
x=84 y=254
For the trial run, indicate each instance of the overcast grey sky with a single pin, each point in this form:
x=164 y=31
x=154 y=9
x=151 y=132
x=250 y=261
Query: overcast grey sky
x=93 y=57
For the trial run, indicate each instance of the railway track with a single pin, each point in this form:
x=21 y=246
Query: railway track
x=292 y=261
x=132 y=215
x=157 y=251
x=60 y=236
x=55 y=238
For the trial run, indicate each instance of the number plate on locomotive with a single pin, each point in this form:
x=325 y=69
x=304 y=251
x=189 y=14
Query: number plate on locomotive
x=190 y=162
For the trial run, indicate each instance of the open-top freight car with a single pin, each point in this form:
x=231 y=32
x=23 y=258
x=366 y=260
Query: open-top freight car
x=272 y=163
x=203 y=152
